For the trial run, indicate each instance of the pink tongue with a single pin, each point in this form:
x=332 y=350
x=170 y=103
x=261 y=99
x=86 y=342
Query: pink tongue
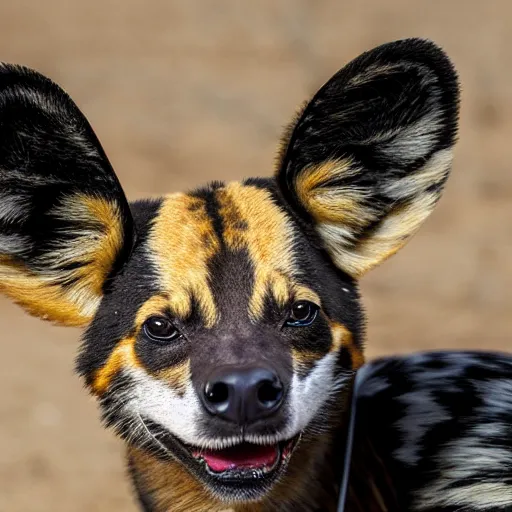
x=241 y=456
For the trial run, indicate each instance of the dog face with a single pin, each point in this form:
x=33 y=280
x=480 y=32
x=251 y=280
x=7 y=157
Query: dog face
x=224 y=324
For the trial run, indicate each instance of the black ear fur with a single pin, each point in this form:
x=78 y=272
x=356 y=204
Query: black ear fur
x=65 y=223
x=374 y=145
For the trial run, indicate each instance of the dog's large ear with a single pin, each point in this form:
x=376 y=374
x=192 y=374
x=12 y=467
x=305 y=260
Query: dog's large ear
x=65 y=224
x=367 y=158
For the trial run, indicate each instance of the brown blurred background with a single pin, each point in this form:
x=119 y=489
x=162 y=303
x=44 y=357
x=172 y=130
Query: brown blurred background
x=181 y=92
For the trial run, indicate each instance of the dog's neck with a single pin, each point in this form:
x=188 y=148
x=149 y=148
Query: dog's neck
x=310 y=485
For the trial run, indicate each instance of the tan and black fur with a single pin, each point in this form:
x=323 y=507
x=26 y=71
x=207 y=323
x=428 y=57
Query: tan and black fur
x=360 y=168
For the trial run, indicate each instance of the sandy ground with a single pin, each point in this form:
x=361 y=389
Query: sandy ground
x=186 y=91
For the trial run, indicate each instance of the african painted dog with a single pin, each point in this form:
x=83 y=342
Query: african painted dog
x=224 y=325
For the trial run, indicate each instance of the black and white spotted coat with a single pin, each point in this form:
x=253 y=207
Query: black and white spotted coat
x=440 y=429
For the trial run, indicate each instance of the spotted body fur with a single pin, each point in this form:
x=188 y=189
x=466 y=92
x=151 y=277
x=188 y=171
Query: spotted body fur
x=433 y=432
x=224 y=325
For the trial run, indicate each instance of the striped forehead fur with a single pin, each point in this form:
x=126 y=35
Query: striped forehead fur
x=268 y=238
x=184 y=239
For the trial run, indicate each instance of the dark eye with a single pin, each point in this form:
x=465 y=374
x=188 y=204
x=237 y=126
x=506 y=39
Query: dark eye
x=160 y=329
x=303 y=313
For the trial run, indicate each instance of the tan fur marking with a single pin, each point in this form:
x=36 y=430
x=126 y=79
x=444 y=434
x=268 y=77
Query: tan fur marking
x=177 y=376
x=301 y=292
x=393 y=233
x=333 y=204
x=267 y=236
x=38 y=296
x=342 y=212
x=153 y=306
x=358 y=358
x=96 y=247
x=304 y=359
x=181 y=243
x=342 y=338
x=123 y=355
x=104 y=248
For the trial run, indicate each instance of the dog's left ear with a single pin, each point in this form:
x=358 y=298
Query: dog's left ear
x=65 y=223
x=366 y=161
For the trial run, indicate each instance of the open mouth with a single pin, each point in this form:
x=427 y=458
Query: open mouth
x=242 y=471
x=245 y=461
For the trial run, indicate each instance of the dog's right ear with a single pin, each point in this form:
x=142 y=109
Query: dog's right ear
x=65 y=223
x=366 y=161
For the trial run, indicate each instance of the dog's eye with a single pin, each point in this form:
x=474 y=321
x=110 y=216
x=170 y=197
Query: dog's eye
x=303 y=313
x=160 y=329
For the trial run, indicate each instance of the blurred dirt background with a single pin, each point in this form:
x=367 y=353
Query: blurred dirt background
x=181 y=92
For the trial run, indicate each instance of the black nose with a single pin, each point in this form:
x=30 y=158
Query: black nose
x=243 y=395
